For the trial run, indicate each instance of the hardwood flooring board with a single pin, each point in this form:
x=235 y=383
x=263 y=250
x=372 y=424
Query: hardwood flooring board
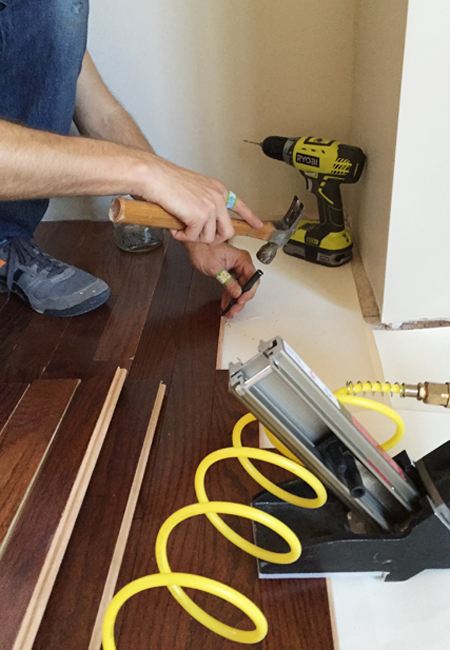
x=100 y=256
x=25 y=441
x=298 y=614
x=15 y=318
x=26 y=553
x=69 y=618
x=74 y=355
x=29 y=351
x=61 y=239
x=28 y=339
x=123 y=330
x=186 y=436
x=157 y=349
x=45 y=232
x=11 y=394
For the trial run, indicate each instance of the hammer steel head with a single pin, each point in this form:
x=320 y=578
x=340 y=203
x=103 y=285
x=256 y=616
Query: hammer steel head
x=284 y=229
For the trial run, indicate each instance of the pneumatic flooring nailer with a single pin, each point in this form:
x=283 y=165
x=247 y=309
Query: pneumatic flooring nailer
x=384 y=515
x=325 y=164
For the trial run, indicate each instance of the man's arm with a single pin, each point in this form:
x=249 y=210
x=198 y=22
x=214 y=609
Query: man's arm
x=99 y=115
x=36 y=164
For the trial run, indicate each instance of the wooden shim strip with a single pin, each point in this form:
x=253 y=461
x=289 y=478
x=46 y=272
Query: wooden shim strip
x=122 y=538
x=25 y=441
x=219 y=357
x=333 y=619
x=36 y=607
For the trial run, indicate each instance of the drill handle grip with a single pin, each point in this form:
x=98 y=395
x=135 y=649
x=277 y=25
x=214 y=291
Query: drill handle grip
x=329 y=201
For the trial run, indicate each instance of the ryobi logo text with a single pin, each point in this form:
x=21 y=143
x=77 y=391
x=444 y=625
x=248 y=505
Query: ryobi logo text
x=303 y=159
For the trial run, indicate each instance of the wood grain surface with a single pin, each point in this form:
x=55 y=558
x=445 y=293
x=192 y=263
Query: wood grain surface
x=25 y=441
x=11 y=394
x=174 y=338
x=69 y=619
x=124 y=210
x=121 y=335
x=25 y=555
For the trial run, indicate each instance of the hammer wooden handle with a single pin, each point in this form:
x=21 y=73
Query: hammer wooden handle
x=150 y=214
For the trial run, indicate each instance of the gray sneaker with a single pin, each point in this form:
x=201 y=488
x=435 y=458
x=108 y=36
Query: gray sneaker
x=48 y=286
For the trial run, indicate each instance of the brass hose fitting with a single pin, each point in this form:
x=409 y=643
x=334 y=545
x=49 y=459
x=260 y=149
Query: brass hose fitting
x=428 y=392
x=436 y=394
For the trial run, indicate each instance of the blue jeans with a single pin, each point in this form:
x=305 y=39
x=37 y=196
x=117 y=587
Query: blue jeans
x=42 y=44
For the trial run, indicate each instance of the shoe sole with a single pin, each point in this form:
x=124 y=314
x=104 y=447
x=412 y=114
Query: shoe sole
x=77 y=310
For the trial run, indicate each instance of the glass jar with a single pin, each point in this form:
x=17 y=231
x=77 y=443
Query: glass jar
x=136 y=239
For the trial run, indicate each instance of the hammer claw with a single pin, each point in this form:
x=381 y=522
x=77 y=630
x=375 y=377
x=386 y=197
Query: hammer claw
x=283 y=230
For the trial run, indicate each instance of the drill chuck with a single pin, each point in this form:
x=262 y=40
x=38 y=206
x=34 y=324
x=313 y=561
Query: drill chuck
x=273 y=146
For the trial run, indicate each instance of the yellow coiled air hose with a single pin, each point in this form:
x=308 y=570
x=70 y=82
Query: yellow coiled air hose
x=212 y=509
x=345 y=397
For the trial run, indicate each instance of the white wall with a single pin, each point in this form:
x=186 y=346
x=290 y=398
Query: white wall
x=380 y=28
x=199 y=76
x=400 y=116
x=418 y=261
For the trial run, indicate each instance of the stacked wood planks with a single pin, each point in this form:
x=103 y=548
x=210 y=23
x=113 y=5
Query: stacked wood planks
x=48 y=450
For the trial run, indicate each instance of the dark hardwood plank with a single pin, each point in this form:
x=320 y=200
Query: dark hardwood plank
x=25 y=554
x=3 y=300
x=158 y=345
x=74 y=355
x=186 y=437
x=197 y=547
x=123 y=330
x=87 y=559
x=10 y=397
x=298 y=614
x=46 y=232
x=28 y=341
x=25 y=441
x=108 y=336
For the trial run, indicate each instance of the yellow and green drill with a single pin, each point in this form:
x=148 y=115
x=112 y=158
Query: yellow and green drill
x=325 y=164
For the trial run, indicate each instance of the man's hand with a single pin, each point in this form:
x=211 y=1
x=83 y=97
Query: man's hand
x=198 y=201
x=211 y=259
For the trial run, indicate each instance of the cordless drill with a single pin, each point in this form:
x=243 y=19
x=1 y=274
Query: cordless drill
x=325 y=164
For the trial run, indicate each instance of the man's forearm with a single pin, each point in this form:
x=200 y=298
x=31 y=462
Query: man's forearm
x=117 y=126
x=36 y=164
x=99 y=115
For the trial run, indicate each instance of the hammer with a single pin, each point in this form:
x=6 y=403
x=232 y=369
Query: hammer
x=275 y=233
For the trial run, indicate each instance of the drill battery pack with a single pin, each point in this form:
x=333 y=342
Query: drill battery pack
x=311 y=243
